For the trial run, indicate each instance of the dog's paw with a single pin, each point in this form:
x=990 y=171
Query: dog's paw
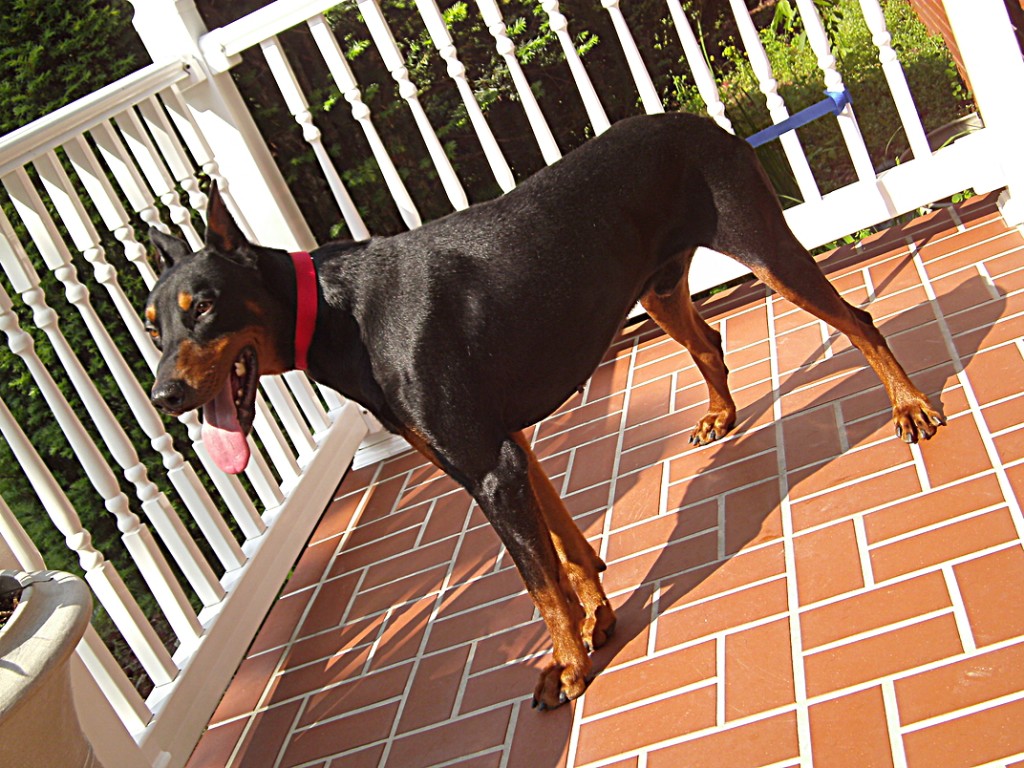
x=916 y=420
x=714 y=425
x=559 y=684
x=596 y=629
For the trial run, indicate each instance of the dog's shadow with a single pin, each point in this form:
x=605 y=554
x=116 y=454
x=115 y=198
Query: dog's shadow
x=672 y=580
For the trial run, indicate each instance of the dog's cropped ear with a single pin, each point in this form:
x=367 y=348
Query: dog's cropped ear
x=222 y=233
x=169 y=249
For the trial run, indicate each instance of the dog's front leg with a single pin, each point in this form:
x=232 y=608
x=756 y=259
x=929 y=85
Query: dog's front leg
x=507 y=499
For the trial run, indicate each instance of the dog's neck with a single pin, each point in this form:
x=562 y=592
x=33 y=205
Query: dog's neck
x=307 y=299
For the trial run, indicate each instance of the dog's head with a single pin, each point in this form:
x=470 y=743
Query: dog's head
x=220 y=327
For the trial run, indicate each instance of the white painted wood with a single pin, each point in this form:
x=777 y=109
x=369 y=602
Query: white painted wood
x=644 y=85
x=384 y=41
x=100 y=574
x=822 y=48
x=591 y=102
x=171 y=150
x=896 y=78
x=703 y=78
x=346 y=82
x=299 y=107
x=431 y=16
x=776 y=106
x=507 y=50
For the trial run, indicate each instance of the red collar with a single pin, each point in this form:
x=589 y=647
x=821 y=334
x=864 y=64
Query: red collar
x=306 y=300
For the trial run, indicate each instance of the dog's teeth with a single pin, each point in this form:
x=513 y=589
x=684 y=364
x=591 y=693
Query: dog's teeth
x=239 y=368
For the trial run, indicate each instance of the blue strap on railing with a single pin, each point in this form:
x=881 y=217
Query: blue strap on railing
x=833 y=103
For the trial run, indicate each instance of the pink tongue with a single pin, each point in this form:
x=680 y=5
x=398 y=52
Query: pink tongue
x=222 y=434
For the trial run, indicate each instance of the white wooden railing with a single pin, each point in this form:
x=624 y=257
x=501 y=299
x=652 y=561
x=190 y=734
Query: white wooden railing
x=136 y=150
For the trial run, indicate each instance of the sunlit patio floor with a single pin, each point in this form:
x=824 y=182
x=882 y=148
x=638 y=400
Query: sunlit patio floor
x=809 y=590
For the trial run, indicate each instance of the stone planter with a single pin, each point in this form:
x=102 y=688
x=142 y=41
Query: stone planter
x=38 y=724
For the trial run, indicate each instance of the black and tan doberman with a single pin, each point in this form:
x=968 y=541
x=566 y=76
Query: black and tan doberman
x=462 y=333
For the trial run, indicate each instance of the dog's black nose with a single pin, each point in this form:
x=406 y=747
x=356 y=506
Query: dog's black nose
x=169 y=395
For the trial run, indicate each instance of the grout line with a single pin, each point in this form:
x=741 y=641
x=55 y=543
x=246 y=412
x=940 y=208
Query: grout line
x=955 y=216
x=844 y=439
x=826 y=340
x=789 y=553
x=990 y=284
x=892 y=722
x=869 y=284
x=922 y=470
x=464 y=679
x=874 y=632
x=721 y=527
x=720 y=676
x=652 y=633
x=513 y=721
x=986 y=437
x=642 y=702
x=863 y=551
x=963 y=623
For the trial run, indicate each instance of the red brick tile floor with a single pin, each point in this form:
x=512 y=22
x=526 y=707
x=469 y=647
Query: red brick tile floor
x=809 y=590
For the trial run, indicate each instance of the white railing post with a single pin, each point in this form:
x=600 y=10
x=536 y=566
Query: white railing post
x=702 y=75
x=560 y=26
x=171 y=29
x=993 y=61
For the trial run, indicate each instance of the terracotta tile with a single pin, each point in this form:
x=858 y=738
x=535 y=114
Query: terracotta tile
x=402 y=633
x=707 y=618
x=990 y=587
x=361 y=758
x=856 y=497
x=609 y=378
x=311 y=567
x=329 y=605
x=639 y=726
x=811 y=437
x=970 y=740
x=931 y=508
x=541 y=738
x=340 y=735
x=962 y=684
x=882 y=655
x=445 y=742
x=435 y=687
x=851 y=731
x=376 y=599
x=717 y=480
x=500 y=648
x=762 y=742
x=510 y=683
x=1010 y=447
x=420 y=490
x=752 y=516
x=960 y=435
x=247 y=687
x=672 y=559
x=849 y=466
x=874 y=609
x=738 y=357
x=355 y=633
x=724 y=455
x=337 y=516
x=758 y=670
x=459 y=629
x=492 y=587
x=996 y=373
x=381 y=498
x=216 y=745
x=368 y=532
x=943 y=544
x=747 y=327
x=649 y=401
x=360 y=693
x=266 y=736
x=447 y=517
x=661 y=530
x=412 y=560
x=827 y=563
x=800 y=348
x=603 y=426
x=740 y=570
x=346 y=664
x=592 y=463
x=281 y=621
x=356 y=558
x=655 y=676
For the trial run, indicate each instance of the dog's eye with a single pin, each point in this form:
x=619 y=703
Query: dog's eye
x=202 y=307
x=154 y=334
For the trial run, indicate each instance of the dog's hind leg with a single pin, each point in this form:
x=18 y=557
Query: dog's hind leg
x=581 y=563
x=508 y=500
x=788 y=269
x=671 y=308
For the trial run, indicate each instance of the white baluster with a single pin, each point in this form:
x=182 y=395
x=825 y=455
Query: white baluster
x=116 y=687
x=299 y=107
x=148 y=160
x=591 y=103
x=346 y=82
x=291 y=418
x=776 y=106
x=128 y=178
x=136 y=537
x=18 y=541
x=100 y=574
x=171 y=150
x=648 y=93
x=307 y=400
x=507 y=50
x=114 y=216
x=702 y=75
x=380 y=32
x=822 y=48
x=445 y=46
x=897 y=79
x=47 y=239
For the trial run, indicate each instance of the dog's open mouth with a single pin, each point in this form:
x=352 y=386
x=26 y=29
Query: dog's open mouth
x=227 y=418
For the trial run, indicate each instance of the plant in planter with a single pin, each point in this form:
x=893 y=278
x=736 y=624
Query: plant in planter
x=49 y=612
